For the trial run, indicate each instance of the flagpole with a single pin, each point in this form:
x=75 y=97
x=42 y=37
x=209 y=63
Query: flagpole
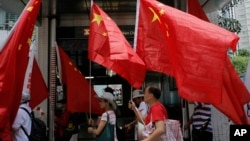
x=26 y=82
x=135 y=43
x=52 y=69
x=91 y=3
x=136 y=23
x=90 y=65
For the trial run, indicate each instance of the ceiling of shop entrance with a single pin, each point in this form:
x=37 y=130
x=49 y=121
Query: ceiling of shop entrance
x=79 y=6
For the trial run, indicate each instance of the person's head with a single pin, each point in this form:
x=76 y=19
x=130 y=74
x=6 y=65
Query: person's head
x=151 y=93
x=107 y=99
x=25 y=97
x=137 y=96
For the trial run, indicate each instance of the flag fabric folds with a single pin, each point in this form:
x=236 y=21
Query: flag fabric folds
x=109 y=48
x=78 y=90
x=234 y=94
x=151 y=43
x=196 y=49
x=195 y=9
x=38 y=89
x=14 y=58
x=33 y=81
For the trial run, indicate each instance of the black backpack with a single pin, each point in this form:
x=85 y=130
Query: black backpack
x=38 y=128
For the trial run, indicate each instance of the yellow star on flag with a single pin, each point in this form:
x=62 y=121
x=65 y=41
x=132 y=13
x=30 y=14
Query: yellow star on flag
x=75 y=69
x=97 y=18
x=155 y=17
x=162 y=12
x=19 y=46
x=30 y=8
x=104 y=34
x=29 y=41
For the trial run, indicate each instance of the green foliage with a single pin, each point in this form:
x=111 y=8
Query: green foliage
x=230 y=24
x=240 y=61
x=240 y=64
x=243 y=52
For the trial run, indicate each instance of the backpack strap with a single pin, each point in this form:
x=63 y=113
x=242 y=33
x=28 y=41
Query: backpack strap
x=26 y=111
x=25 y=132
x=107 y=117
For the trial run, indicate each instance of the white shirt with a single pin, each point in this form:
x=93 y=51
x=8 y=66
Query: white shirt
x=112 y=120
x=22 y=119
x=143 y=109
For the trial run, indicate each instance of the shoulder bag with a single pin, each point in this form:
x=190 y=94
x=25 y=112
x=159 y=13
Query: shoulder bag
x=107 y=133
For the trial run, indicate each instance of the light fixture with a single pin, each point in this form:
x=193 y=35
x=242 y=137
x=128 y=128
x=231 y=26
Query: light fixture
x=89 y=77
x=110 y=73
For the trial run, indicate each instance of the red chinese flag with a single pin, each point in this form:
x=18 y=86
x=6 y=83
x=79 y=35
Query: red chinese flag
x=195 y=9
x=234 y=94
x=196 y=49
x=152 y=44
x=38 y=89
x=78 y=89
x=14 y=59
x=109 y=48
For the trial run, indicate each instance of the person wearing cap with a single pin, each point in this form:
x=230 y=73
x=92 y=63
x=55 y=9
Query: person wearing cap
x=138 y=99
x=154 y=128
x=22 y=120
x=107 y=103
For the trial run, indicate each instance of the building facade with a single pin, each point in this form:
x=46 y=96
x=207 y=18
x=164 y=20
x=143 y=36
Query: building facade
x=242 y=14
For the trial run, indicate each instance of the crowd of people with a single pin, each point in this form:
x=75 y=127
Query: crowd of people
x=149 y=123
x=150 y=116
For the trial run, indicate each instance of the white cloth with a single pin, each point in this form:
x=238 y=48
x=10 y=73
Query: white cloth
x=112 y=120
x=172 y=133
x=22 y=119
x=143 y=109
x=74 y=137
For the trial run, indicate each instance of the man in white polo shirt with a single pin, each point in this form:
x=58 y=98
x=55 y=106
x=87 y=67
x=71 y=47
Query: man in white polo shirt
x=138 y=98
x=22 y=124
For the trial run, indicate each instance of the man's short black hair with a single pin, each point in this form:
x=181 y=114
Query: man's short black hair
x=152 y=88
